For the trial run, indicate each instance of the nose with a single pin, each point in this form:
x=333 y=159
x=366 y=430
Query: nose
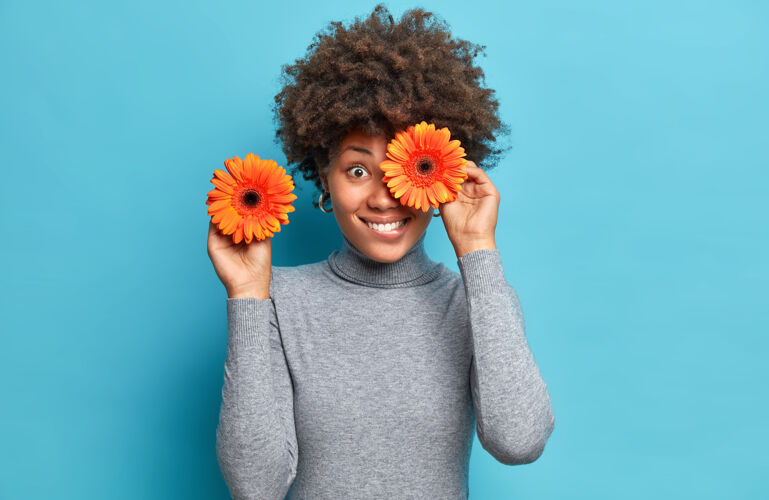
x=380 y=196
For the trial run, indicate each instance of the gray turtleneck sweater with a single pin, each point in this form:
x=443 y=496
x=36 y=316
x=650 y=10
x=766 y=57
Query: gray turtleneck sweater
x=361 y=379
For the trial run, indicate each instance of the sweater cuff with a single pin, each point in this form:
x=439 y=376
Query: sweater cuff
x=482 y=272
x=247 y=320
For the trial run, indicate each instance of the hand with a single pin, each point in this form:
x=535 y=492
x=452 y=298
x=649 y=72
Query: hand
x=244 y=269
x=471 y=219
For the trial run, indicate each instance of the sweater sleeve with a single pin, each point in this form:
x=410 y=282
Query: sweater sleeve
x=514 y=416
x=256 y=438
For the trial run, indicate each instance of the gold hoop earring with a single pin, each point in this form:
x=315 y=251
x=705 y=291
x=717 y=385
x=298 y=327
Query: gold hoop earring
x=323 y=199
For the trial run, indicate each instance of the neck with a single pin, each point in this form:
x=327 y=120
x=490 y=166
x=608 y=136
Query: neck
x=414 y=268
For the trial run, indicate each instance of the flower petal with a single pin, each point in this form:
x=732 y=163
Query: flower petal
x=223 y=186
x=391 y=168
x=397 y=181
x=397 y=152
x=251 y=164
x=235 y=168
x=218 y=205
x=400 y=190
x=443 y=137
x=425 y=201
x=224 y=176
x=230 y=221
x=412 y=196
x=450 y=147
x=270 y=221
x=248 y=227
x=237 y=237
x=433 y=137
x=282 y=198
x=441 y=193
x=215 y=194
x=408 y=140
x=217 y=217
x=418 y=136
x=430 y=190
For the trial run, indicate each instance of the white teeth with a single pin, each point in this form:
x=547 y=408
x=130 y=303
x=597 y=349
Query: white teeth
x=386 y=227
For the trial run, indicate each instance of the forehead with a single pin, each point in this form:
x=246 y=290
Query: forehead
x=360 y=138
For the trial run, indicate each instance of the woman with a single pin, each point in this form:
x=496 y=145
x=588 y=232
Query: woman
x=365 y=375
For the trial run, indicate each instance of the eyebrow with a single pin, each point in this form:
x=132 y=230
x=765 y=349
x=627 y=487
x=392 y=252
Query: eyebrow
x=359 y=150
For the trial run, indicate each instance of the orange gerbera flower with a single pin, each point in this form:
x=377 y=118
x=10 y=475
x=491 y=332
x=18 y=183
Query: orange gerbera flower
x=253 y=200
x=425 y=168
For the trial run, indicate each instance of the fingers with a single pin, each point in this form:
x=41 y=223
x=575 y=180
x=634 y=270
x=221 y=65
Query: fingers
x=212 y=228
x=214 y=232
x=482 y=183
x=476 y=173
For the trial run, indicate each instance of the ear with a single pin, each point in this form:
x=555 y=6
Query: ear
x=324 y=180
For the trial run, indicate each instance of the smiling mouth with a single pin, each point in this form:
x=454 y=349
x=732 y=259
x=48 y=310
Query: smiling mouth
x=386 y=228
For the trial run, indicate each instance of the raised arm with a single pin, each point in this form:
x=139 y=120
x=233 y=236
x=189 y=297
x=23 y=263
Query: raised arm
x=514 y=416
x=256 y=437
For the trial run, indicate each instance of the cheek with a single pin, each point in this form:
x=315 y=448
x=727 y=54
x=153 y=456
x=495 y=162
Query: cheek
x=421 y=218
x=349 y=201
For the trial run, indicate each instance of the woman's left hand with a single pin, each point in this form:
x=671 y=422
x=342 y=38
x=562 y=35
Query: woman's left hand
x=471 y=219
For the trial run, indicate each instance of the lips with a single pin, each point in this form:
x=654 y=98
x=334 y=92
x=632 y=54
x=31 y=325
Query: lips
x=392 y=234
x=384 y=221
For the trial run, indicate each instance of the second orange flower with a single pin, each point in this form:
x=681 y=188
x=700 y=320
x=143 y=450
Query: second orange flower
x=252 y=200
x=424 y=166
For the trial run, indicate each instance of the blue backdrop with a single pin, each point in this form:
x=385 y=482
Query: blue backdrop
x=632 y=225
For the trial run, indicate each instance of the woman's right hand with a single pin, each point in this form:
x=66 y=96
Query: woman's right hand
x=245 y=270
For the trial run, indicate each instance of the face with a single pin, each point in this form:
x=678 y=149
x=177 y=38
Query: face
x=359 y=197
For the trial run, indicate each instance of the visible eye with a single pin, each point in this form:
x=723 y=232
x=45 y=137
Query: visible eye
x=358 y=171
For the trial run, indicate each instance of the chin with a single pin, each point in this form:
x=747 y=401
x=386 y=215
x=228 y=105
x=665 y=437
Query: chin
x=384 y=254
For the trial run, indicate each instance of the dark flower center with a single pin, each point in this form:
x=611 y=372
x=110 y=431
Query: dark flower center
x=425 y=165
x=251 y=198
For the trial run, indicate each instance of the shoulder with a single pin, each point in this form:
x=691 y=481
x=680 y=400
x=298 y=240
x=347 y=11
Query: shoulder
x=449 y=282
x=449 y=276
x=293 y=279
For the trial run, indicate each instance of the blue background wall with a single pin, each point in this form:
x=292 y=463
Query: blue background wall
x=632 y=224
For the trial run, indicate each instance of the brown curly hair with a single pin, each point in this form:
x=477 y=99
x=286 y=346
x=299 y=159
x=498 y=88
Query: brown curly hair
x=380 y=77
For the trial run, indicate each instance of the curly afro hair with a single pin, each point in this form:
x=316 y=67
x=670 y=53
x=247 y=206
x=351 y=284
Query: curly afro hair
x=379 y=76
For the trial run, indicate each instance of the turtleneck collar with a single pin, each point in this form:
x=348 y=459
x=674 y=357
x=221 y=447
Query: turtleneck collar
x=414 y=268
